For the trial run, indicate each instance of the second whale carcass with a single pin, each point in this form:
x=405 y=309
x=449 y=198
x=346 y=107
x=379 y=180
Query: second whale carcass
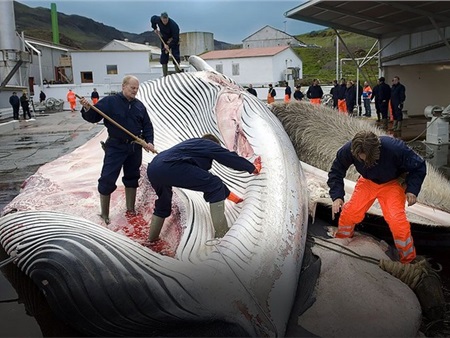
x=101 y=279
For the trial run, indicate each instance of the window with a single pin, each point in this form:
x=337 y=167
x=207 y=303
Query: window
x=219 y=68
x=111 y=69
x=86 y=77
x=235 y=69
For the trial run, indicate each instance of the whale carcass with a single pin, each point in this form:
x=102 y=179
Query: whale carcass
x=100 y=278
x=303 y=121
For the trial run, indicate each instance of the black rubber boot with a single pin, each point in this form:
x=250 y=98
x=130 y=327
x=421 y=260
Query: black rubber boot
x=165 y=69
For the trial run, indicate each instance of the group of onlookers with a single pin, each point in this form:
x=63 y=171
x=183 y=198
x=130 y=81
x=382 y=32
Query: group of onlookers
x=346 y=93
x=17 y=102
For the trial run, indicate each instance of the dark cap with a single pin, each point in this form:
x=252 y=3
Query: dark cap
x=382 y=79
x=298 y=86
x=164 y=15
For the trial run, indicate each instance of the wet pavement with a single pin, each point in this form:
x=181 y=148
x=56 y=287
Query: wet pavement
x=36 y=142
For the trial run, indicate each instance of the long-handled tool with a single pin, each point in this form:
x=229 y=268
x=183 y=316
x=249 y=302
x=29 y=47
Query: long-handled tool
x=170 y=53
x=136 y=139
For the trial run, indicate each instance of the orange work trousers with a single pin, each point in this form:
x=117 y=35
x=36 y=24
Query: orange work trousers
x=287 y=98
x=342 y=107
x=73 y=105
x=270 y=99
x=392 y=198
x=94 y=100
x=315 y=101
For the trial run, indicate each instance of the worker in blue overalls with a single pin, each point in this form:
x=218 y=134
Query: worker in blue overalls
x=169 y=32
x=186 y=165
x=120 y=149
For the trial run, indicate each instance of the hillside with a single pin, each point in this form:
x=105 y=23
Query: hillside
x=76 y=31
x=321 y=62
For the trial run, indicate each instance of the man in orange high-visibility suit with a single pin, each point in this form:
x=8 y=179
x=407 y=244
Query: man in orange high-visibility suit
x=271 y=94
x=382 y=162
x=71 y=98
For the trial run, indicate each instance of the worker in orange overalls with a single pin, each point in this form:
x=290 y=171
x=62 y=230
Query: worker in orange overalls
x=94 y=96
x=342 y=106
x=315 y=92
x=271 y=94
x=287 y=93
x=383 y=162
x=72 y=99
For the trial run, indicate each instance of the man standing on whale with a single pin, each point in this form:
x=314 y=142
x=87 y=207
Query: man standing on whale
x=391 y=172
x=121 y=152
x=169 y=32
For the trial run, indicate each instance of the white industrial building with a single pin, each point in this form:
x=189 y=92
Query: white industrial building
x=257 y=66
x=271 y=37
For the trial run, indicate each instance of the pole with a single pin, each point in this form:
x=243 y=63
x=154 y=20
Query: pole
x=136 y=139
x=337 y=57
x=170 y=53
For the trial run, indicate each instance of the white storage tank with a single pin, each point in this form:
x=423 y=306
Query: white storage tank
x=196 y=43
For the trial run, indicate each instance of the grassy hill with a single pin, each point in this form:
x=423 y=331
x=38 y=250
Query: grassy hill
x=321 y=62
x=76 y=31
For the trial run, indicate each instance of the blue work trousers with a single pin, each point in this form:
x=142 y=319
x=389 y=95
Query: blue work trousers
x=117 y=155
x=165 y=175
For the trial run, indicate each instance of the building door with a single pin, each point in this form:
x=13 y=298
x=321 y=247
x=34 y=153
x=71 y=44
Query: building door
x=30 y=86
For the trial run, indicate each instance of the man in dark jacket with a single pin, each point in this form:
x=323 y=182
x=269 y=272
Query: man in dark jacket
x=25 y=103
x=383 y=95
x=350 y=97
x=186 y=165
x=120 y=149
x=287 y=93
x=377 y=104
x=383 y=163
x=315 y=92
x=398 y=97
x=298 y=95
x=42 y=97
x=252 y=90
x=14 y=101
x=334 y=93
x=170 y=34
x=342 y=107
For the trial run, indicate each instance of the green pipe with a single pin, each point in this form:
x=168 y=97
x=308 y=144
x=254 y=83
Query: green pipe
x=55 y=29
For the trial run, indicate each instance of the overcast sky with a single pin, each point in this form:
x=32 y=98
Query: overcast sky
x=229 y=20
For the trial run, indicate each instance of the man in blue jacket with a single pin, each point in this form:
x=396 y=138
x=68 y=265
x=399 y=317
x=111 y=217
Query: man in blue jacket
x=398 y=97
x=170 y=34
x=383 y=162
x=186 y=165
x=120 y=149
x=14 y=101
x=383 y=95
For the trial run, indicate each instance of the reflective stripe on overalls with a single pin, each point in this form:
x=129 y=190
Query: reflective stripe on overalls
x=392 y=198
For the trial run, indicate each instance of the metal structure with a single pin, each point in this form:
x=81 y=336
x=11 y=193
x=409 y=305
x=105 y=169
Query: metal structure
x=413 y=40
x=437 y=128
x=12 y=56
